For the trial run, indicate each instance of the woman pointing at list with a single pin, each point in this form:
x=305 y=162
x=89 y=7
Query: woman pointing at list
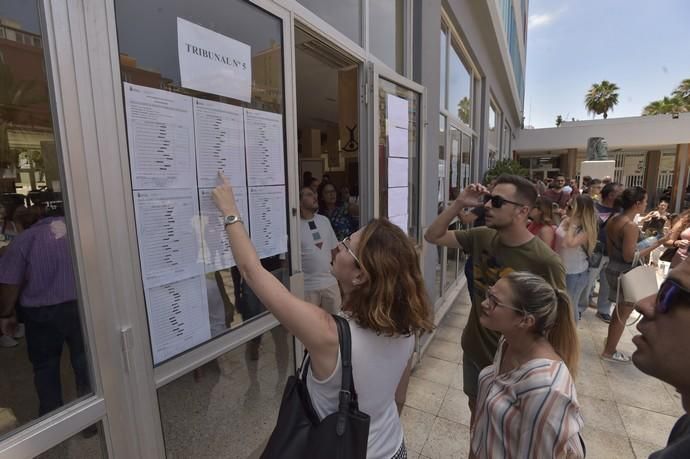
x=384 y=301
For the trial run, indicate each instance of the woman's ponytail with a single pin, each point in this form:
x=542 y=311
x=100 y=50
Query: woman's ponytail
x=562 y=334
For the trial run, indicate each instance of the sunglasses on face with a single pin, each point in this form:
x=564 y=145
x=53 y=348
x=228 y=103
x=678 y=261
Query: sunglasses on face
x=498 y=201
x=346 y=243
x=670 y=293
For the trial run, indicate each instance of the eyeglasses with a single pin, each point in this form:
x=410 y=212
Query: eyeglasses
x=345 y=243
x=669 y=294
x=493 y=302
x=498 y=201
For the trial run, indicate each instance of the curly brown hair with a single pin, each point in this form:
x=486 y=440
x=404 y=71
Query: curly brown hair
x=393 y=300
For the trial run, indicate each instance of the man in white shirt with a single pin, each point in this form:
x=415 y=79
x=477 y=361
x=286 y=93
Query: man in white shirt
x=318 y=244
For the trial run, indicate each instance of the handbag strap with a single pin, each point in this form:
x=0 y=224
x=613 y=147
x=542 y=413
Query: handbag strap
x=347 y=398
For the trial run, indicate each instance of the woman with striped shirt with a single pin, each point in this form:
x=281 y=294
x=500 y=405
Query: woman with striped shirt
x=527 y=406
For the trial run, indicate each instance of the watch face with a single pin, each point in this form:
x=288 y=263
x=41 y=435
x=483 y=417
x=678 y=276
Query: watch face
x=231 y=219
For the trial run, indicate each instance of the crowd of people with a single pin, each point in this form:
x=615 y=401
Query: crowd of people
x=535 y=266
x=539 y=257
x=535 y=262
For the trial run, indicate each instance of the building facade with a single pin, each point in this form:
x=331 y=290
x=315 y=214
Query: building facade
x=106 y=124
x=649 y=151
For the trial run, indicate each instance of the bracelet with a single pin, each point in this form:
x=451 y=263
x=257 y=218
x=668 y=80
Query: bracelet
x=8 y=316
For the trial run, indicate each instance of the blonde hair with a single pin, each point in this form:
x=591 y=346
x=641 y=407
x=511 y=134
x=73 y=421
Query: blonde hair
x=393 y=299
x=552 y=311
x=584 y=213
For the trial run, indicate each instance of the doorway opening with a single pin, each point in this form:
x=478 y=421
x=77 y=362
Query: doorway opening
x=328 y=130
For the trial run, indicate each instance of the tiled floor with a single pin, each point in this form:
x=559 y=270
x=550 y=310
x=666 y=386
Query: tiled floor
x=627 y=413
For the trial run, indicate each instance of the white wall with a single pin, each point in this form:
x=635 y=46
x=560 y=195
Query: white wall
x=640 y=131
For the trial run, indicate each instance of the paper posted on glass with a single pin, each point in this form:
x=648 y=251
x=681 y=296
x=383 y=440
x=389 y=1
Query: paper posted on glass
x=215 y=242
x=398 y=142
x=211 y=62
x=397 y=201
x=219 y=138
x=167 y=223
x=268 y=220
x=263 y=133
x=398 y=172
x=397 y=111
x=178 y=316
x=160 y=134
x=401 y=222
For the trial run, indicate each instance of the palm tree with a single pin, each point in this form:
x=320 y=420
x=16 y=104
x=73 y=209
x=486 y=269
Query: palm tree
x=559 y=120
x=601 y=98
x=682 y=92
x=464 y=110
x=666 y=105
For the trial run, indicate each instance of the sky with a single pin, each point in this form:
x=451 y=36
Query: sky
x=643 y=46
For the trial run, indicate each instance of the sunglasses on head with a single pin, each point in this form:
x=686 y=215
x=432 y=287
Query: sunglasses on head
x=498 y=201
x=670 y=293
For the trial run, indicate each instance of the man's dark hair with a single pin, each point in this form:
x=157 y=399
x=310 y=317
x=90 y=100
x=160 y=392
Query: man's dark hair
x=301 y=191
x=608 y=189
x=525 y=191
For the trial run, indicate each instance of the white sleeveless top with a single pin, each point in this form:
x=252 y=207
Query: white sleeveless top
x=378 y=362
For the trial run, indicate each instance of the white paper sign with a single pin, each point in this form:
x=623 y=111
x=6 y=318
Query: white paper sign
x=219 y=138
x=397 y=201
x=398 y=143
x=160 y=134
x=263 y=133
x=401 y=222
x=217 y=253
x=268 y=220
x=178 y=317
x=213 y=63
x=398 y=172
x=397 y=111
x=168 y=233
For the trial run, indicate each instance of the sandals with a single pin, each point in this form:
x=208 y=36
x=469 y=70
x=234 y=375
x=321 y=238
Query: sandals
x=617 y=357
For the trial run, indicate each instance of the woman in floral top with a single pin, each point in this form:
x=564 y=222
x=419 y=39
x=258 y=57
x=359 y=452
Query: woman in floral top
x=337 y=213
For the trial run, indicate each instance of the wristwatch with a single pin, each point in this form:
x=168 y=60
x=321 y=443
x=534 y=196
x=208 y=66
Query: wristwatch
x=230 y=219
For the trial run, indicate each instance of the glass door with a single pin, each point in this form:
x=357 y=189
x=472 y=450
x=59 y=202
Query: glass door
x=398 y=135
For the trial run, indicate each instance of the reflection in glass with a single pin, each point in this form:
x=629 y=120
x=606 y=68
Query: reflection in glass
x=442 y=71
x=87 y=444
x=440 y=263
x=466 y=161
x=344 y=15
x=147 y=39
x=459 y=87
x=411 y=98
x=386 y=32
x=457 y=171
x=493 y=122
x=43 y=359
x=228 y=407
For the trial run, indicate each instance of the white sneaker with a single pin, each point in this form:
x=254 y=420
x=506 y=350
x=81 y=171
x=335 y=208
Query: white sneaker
x=7 y=341
x=19 y=331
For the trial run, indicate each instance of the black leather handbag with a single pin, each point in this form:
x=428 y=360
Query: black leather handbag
x=299 y=433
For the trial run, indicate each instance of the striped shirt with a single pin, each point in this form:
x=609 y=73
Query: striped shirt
x=528 y=412
x=39 y=260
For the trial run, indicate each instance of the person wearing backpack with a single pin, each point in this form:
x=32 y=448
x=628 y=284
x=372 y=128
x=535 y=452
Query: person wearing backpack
x=605 y=210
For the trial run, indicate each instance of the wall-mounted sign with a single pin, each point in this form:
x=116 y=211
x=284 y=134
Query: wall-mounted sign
x=213 y=63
